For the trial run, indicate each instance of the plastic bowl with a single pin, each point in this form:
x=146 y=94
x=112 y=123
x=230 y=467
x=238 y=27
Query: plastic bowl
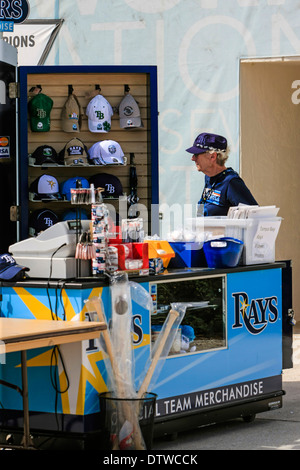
x=224 y=252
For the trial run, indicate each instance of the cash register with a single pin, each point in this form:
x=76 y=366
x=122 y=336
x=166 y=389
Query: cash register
x=51 y=254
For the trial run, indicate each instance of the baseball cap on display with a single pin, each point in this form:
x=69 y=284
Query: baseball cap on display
x=74 y=153
x=129 y=112
x=110 y=183
x=106 y=152
x=72 y=215
x=39 y=112
x=99 y=113
x=41 y=220
x=71 y=114
x=205 y=142
x=9 y=269
x=45 y=154
x=45 y=187
x=72 y=183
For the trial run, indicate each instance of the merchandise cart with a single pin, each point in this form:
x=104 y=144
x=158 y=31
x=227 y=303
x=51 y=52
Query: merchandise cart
x=235 y=337
x=231 y=368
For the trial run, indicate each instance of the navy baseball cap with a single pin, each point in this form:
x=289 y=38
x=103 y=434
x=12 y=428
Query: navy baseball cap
x=110 y=183
x=205 y=142
x=9 y=268
x=40 y=220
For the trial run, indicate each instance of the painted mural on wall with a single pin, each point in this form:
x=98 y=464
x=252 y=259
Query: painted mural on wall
x=197 y=46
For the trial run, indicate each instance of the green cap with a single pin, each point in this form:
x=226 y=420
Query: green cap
x=39 y=112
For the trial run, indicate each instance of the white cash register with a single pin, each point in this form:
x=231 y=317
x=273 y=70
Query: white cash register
x=52 y=253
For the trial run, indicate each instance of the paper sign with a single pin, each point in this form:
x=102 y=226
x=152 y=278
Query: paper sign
x=264 y=240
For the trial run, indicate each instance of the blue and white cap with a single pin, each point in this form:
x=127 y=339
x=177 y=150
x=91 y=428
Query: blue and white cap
x=45 y=187
x=106 y=152
x=9 y=268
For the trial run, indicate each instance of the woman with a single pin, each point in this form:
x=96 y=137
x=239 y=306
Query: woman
x=223 y=186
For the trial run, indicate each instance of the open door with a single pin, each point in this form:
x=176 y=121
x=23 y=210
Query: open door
x=270 y=147
x=8 y=146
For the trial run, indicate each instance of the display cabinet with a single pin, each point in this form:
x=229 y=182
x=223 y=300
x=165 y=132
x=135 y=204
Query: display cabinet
x=139 y=145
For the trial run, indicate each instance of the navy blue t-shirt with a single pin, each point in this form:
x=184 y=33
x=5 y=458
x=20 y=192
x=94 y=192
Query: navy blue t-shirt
x=224 y=190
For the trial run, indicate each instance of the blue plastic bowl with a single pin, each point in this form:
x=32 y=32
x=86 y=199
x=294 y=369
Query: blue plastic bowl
x=224 y=252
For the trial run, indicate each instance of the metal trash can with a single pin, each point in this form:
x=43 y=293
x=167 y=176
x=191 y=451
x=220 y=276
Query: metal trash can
x=127 y=423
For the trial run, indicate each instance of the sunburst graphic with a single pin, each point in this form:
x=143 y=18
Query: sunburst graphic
x=81 y=368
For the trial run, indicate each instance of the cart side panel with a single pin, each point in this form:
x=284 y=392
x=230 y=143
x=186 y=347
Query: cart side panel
x=249 y=368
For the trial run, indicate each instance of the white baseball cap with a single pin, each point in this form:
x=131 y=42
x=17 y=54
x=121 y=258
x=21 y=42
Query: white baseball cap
x=99 y=113
x=106 y=152
x=129 y=113
x=45 y=187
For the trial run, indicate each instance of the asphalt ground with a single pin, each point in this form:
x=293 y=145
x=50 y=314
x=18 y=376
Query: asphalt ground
x=273 y=430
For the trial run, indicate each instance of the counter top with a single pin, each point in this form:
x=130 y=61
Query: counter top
x=103 y=280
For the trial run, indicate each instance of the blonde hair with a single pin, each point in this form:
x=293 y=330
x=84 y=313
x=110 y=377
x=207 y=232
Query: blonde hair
x=222 y=156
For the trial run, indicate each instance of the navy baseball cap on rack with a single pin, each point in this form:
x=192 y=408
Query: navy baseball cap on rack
x=40 y=220
x=46 y=188
x=9 y=268
x=205 y=142
x=71 y=183
x=110 y=183
x=45 y=154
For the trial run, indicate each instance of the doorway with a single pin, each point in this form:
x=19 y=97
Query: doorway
x=270 y=147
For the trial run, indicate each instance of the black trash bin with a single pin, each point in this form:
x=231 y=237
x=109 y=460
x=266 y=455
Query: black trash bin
x=127 y=423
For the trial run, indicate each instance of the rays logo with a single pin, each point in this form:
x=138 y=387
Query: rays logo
x=254 y=314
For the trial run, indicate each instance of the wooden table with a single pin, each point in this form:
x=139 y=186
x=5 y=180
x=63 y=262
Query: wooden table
x=22 y=334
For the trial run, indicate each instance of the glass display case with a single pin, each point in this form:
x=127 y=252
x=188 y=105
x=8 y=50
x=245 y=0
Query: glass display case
x=203 y=327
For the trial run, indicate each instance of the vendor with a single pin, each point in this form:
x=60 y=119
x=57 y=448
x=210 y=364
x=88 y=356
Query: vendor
x=223 y=186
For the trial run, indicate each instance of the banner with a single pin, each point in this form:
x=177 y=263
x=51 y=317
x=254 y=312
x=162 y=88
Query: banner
x=33 y=40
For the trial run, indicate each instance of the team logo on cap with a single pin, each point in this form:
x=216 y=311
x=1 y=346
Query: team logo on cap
x=110 y=188
x=52 y=183
x=48 y=221
x=128 y=111
x=47 y=152
x=8 y=259
x=41 y=113
x=75 y=150
x=99 y=114
x=112 y=149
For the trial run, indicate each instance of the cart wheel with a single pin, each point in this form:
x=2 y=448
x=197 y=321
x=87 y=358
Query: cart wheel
x=249 y=418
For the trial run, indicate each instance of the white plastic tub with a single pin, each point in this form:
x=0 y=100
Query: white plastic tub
x=258 y=234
